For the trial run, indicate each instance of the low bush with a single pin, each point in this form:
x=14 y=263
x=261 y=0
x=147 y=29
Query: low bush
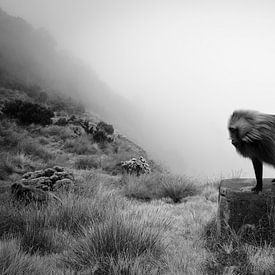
x=107 y=128
x=27 y=112
x=158 y=185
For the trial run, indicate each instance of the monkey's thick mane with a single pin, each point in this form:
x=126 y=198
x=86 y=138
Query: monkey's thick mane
x=257 y=135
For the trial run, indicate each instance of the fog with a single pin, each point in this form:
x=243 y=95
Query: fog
x=185 y=64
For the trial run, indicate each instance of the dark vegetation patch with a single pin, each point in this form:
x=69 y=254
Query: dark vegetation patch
x=228 y=251
x=27 y=112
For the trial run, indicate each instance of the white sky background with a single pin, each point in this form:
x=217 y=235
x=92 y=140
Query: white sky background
x=187 y=64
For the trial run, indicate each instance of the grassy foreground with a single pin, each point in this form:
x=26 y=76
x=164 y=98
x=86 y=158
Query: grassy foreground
x=110 y=223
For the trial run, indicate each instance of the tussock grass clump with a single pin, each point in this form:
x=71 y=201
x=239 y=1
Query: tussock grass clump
x=158 y=185
x=12 y=220
x=80 y=146
x=87 y=162
x=118 y=242
x=59 y=132
x=32 y=147
x=10 y=134
x=6 y=166
x=18 y=163
x=74 y=213
x=14 y=261
x=86 y=183
x=40 y=240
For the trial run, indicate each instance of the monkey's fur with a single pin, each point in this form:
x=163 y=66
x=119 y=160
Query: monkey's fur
x=253 y=135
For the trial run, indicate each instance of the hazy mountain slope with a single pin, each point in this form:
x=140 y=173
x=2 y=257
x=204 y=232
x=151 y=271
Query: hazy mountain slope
x=31 y=55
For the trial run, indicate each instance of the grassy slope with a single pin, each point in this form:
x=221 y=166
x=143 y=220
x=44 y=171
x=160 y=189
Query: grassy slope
x=109 y=223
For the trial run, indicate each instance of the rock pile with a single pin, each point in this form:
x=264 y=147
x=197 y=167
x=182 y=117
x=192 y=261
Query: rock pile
x=37 y=185
x=136 y=166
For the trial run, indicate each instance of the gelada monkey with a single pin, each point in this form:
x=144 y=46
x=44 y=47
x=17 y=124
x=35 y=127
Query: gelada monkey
x=253 y=135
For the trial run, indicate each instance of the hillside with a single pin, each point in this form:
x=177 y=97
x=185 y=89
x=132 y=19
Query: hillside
x=31 y=56
x=75 y=195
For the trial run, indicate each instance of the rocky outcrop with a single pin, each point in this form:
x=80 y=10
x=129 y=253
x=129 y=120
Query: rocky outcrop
x=27 y=194
x=37 y=185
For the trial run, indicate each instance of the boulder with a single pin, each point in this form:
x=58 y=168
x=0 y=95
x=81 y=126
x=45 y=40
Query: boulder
x=36 y=186
x=30 y=194
x=240 y=209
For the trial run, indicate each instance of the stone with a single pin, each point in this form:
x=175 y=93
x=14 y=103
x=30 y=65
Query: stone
x=37 y=181
x=30 y=194
x=49 y=172
x=241 y=209
x=33 y=175
x=31 y=185
x=58 y=169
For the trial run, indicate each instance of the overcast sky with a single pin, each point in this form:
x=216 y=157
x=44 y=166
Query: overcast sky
x=187 y=64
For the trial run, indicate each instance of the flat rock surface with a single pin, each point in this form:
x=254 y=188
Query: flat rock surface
x=242 y=188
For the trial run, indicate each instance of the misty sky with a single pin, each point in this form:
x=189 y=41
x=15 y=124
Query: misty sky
x=187 y=64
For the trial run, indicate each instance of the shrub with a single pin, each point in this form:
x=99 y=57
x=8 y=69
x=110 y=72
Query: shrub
x=107 y=128
x=136 y=166
x=89 y=162
x=62 y=121
x=27 y=112
x=103 y=132
x=157 y=185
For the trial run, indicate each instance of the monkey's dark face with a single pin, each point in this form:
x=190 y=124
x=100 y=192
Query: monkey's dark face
x=239 y=126
x=235 y=136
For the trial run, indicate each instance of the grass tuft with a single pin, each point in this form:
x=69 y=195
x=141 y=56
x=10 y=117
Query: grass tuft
x=158 y=185
x=104 y=245
x=31 y=147
x=80 y=146
x=87 y=162
x=13 y=261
